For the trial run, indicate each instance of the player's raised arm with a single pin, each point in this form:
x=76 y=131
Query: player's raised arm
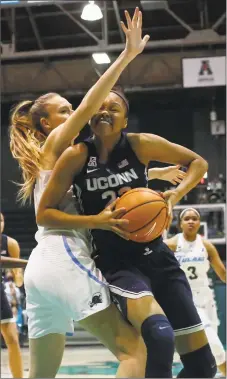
x=60 y=138
x=150 y=147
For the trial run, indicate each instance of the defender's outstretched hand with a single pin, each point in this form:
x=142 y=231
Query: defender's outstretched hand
x=133 y=32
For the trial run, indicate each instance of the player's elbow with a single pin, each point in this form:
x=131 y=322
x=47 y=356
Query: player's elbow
x=202 y=165
x=223 y=275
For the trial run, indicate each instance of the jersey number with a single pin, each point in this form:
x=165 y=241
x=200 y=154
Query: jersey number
x=194 y=275
x=112 y=195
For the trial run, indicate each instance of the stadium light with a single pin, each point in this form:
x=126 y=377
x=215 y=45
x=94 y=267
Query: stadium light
x=101 y=58
x=9 y=1
x=154 y=5
x=91 y=12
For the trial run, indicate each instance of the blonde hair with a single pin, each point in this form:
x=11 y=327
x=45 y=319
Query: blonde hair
x=26 y=140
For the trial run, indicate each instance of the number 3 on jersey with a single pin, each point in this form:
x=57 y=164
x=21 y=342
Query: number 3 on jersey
x=194 y=275
x=112 y=195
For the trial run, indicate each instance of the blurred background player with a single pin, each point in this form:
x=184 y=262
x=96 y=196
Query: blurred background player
x=195 y=256
x=12 y=292
x=10 y=248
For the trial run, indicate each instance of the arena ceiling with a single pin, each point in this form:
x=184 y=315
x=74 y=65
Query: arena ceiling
x=49 y=39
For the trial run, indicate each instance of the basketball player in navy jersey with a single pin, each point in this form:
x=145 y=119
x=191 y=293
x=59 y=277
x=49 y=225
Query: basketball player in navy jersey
x=10 y=249
x=101 y=169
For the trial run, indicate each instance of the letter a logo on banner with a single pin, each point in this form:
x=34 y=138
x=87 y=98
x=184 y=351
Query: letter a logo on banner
x=204 y=72
x=205 y=68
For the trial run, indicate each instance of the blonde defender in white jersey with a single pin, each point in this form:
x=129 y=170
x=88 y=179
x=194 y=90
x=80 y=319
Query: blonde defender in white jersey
x=61 y=280
x=195 y=256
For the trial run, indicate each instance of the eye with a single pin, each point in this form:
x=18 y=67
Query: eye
x=66 y=110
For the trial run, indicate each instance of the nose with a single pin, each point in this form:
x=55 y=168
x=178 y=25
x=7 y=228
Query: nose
x=104 y=113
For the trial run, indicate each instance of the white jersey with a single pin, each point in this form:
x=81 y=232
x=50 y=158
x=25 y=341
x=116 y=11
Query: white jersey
x=61 y=280
x=67 y=205
x=193 y=258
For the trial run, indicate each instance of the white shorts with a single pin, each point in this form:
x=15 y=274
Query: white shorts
x=62 y=284
x=209 y=320
x=205 y=299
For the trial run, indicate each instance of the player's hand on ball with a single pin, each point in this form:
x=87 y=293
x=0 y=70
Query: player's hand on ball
x=135 y=44
x=110 y=219
x=169 y=197
x=173 y=174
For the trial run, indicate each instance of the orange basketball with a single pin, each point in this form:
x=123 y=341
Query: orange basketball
x=147 y=213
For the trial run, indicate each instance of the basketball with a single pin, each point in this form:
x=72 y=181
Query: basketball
x=147 y=213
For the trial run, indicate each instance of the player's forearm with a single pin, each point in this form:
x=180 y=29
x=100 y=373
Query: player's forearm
x=53 y=218
x=7 y=262
x=97 y=94
x=196 y=170
x=222 y=276
x=221 y=273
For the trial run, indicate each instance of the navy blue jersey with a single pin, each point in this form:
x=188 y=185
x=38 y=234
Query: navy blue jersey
x=99 y=184
x=6 y=312
x=132 y=269
x=4 y=246
x=4 y=250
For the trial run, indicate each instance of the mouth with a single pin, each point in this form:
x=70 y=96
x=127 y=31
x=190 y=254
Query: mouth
x=104 y=120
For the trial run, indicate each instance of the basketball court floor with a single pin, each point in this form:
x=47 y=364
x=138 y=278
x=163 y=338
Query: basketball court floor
x=79 y=362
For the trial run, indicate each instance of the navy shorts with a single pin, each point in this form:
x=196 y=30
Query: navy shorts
x=6 y=311
x=156 y=272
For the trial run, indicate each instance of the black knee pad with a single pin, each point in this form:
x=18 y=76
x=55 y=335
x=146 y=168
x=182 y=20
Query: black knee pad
x=158 y=336
x=198 y=364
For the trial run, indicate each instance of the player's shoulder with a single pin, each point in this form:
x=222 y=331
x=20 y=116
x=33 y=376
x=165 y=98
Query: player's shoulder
x=73 y=158
x=48 y=146
x=140 y=140
x=12 y=244
x=208 y=245
x=11 y=241
x=140 y=137
x=79 y=149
